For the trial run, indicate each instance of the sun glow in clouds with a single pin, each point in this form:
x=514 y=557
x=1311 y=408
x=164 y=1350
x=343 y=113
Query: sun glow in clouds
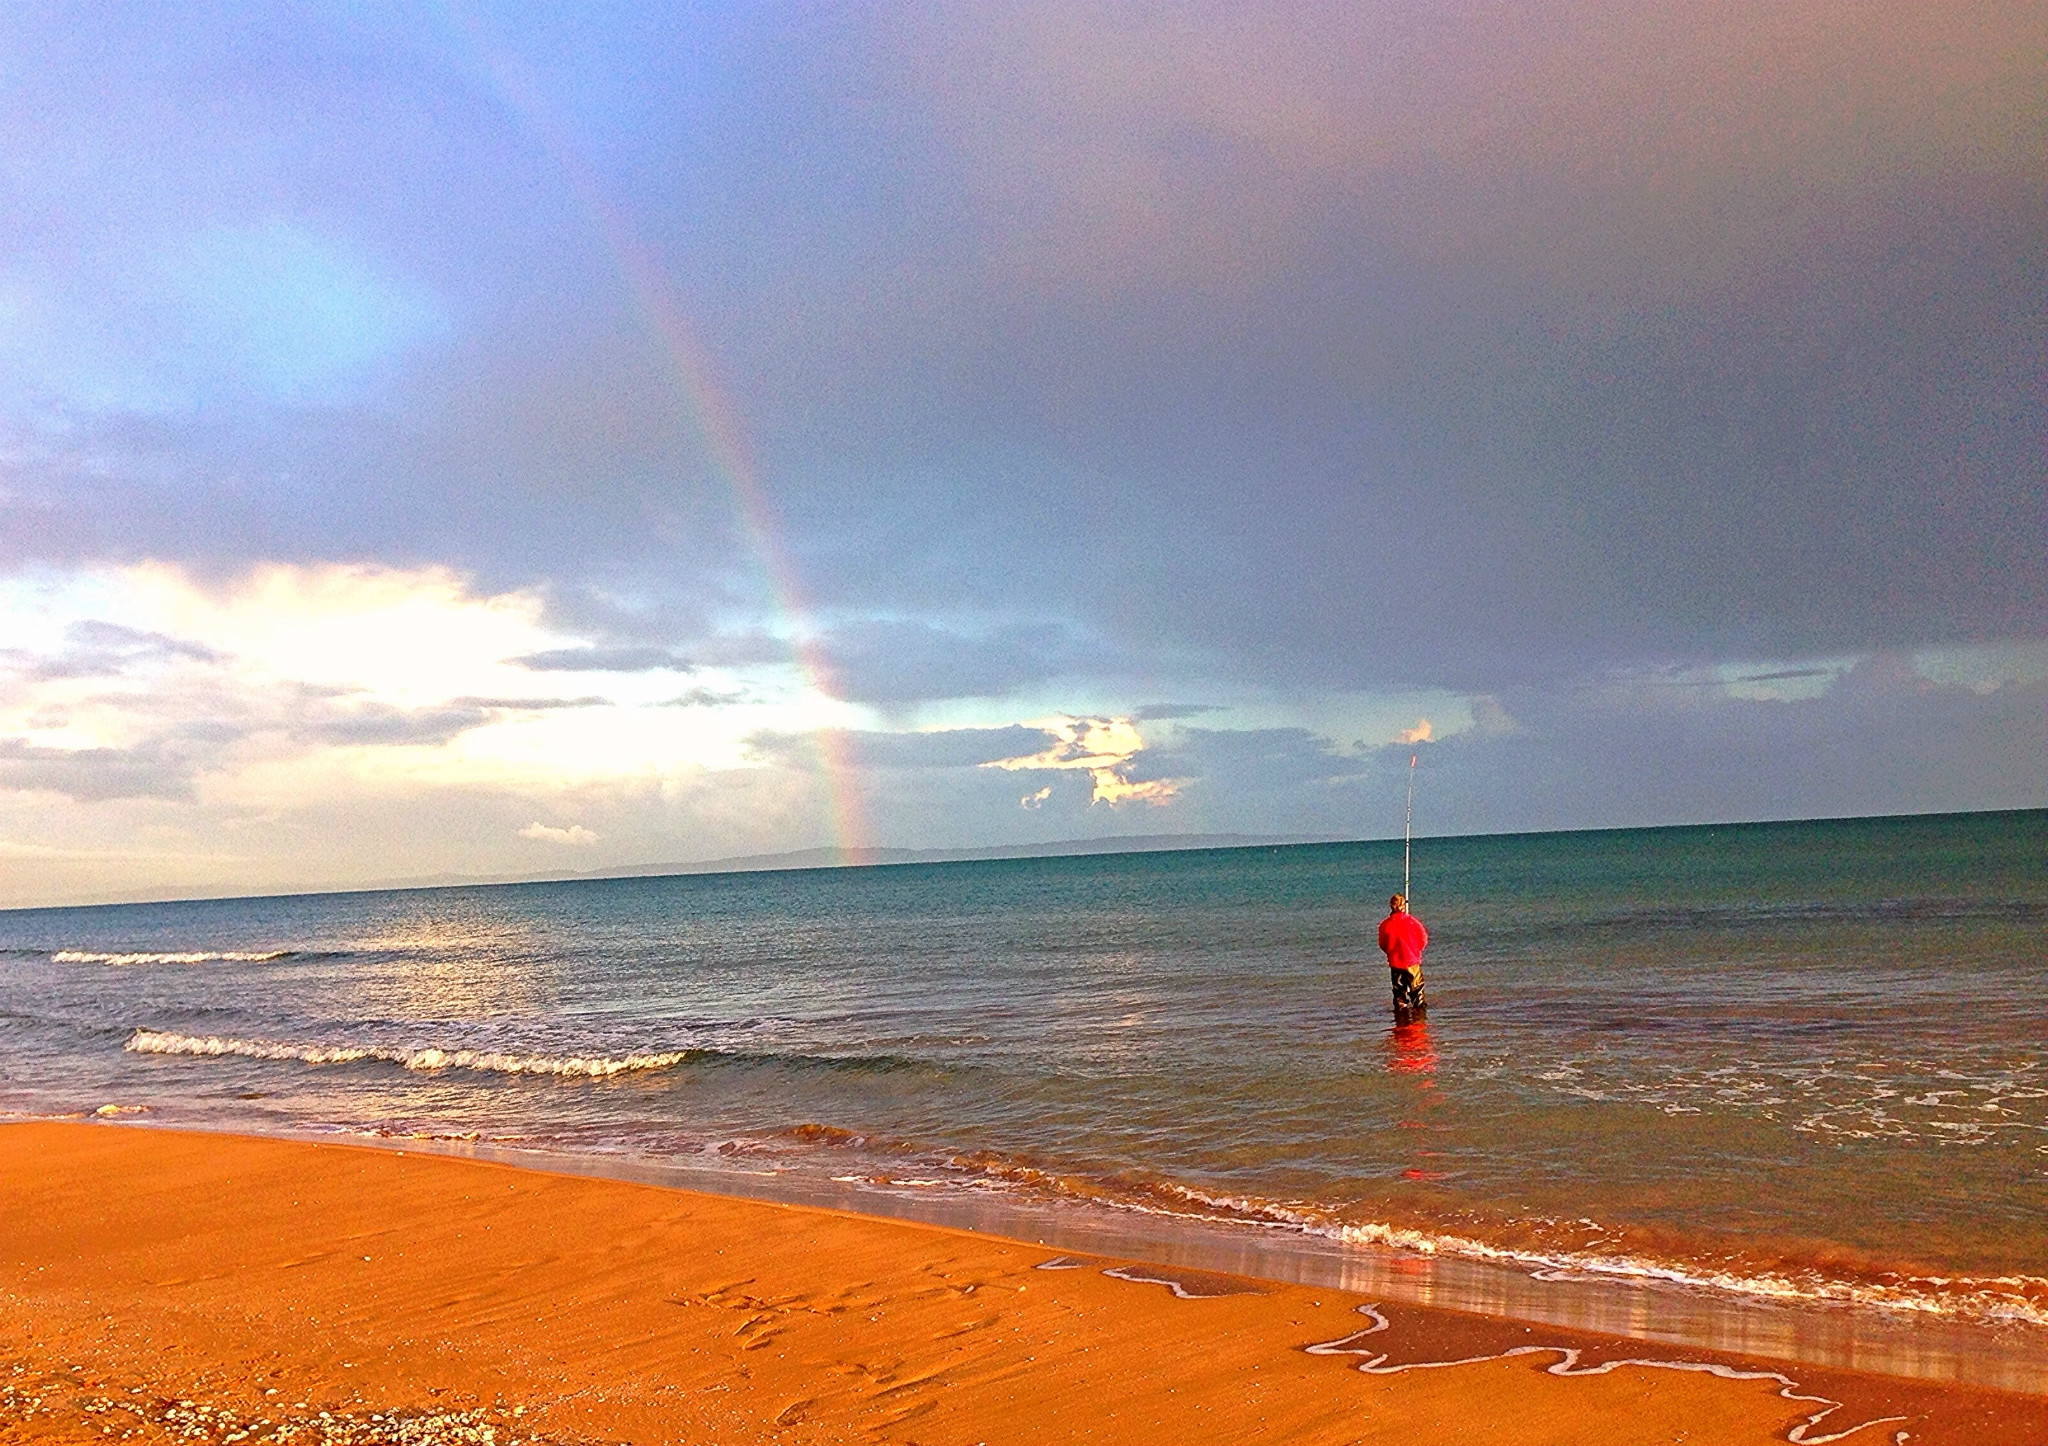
x=294 y=680
x=1100 y=747
x=403 y=637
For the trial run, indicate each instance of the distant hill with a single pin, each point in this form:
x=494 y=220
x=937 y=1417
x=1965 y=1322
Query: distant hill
x=818 y=858
x=833 y=858
x=825 y=858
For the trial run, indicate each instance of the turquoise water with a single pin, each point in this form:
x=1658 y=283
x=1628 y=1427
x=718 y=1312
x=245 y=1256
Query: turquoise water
x=1790 y=1060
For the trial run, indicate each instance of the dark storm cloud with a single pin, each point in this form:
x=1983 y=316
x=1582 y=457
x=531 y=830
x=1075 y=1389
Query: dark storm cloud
x=1884 y=740
x=1255 y=761
x=893 y=662
x=1358 y=346
x=1605 y=337
x=1631 y=751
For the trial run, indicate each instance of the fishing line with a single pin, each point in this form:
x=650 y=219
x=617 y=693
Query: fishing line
x=1408 y=826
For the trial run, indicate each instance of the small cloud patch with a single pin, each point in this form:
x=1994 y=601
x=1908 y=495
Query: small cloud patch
x=603 y=660
x=574 y=836
x=705 y=698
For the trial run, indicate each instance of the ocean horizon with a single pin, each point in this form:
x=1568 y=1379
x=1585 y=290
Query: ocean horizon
x=829 y=856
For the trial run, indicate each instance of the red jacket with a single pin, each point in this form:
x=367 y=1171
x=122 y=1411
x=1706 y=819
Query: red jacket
x=1402 y=940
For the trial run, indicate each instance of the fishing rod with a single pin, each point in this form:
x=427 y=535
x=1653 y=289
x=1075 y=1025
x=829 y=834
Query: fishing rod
x=1408 y=827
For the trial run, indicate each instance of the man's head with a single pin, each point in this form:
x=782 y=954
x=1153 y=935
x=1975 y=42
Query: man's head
x=1399 y=903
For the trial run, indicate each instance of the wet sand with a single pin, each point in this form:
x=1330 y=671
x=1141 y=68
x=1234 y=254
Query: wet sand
x=159 y=1286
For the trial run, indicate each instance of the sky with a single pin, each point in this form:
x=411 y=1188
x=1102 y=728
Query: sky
x=480 y=439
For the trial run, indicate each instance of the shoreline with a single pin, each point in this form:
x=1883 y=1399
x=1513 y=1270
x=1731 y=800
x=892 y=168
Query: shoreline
x=387 y=1286
x=1651 y=1306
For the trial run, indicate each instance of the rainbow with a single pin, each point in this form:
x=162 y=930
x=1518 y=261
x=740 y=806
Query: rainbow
x=718 y=416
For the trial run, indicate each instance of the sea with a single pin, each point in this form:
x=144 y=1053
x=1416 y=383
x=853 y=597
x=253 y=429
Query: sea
x=1789 y=1076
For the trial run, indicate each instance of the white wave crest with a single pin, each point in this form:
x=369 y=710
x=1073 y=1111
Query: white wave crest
x=151 y=1041
x=207 y=956
x=1998 y=1298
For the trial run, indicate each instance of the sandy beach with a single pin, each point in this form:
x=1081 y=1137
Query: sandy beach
x=174 y=1286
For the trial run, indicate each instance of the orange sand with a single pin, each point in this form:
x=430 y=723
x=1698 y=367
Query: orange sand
x=159 y=1286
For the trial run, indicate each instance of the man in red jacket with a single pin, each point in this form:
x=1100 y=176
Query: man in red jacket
x=1402 y=940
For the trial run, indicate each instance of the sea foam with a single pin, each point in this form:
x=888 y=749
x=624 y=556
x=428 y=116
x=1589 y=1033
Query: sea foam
x=2010 y=1299
x=2014 y=1299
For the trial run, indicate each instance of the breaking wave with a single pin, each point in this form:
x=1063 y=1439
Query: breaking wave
x=2018 y=1299
x=196 y=956
x=425 y=1060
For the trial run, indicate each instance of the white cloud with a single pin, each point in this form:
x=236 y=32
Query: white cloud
x=290 y=673
x=222 y=718
x=1103 y=748
x=575 y=835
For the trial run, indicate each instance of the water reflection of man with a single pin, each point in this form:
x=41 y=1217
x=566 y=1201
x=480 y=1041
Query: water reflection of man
x=1410 y=1049
x=1402 y=940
